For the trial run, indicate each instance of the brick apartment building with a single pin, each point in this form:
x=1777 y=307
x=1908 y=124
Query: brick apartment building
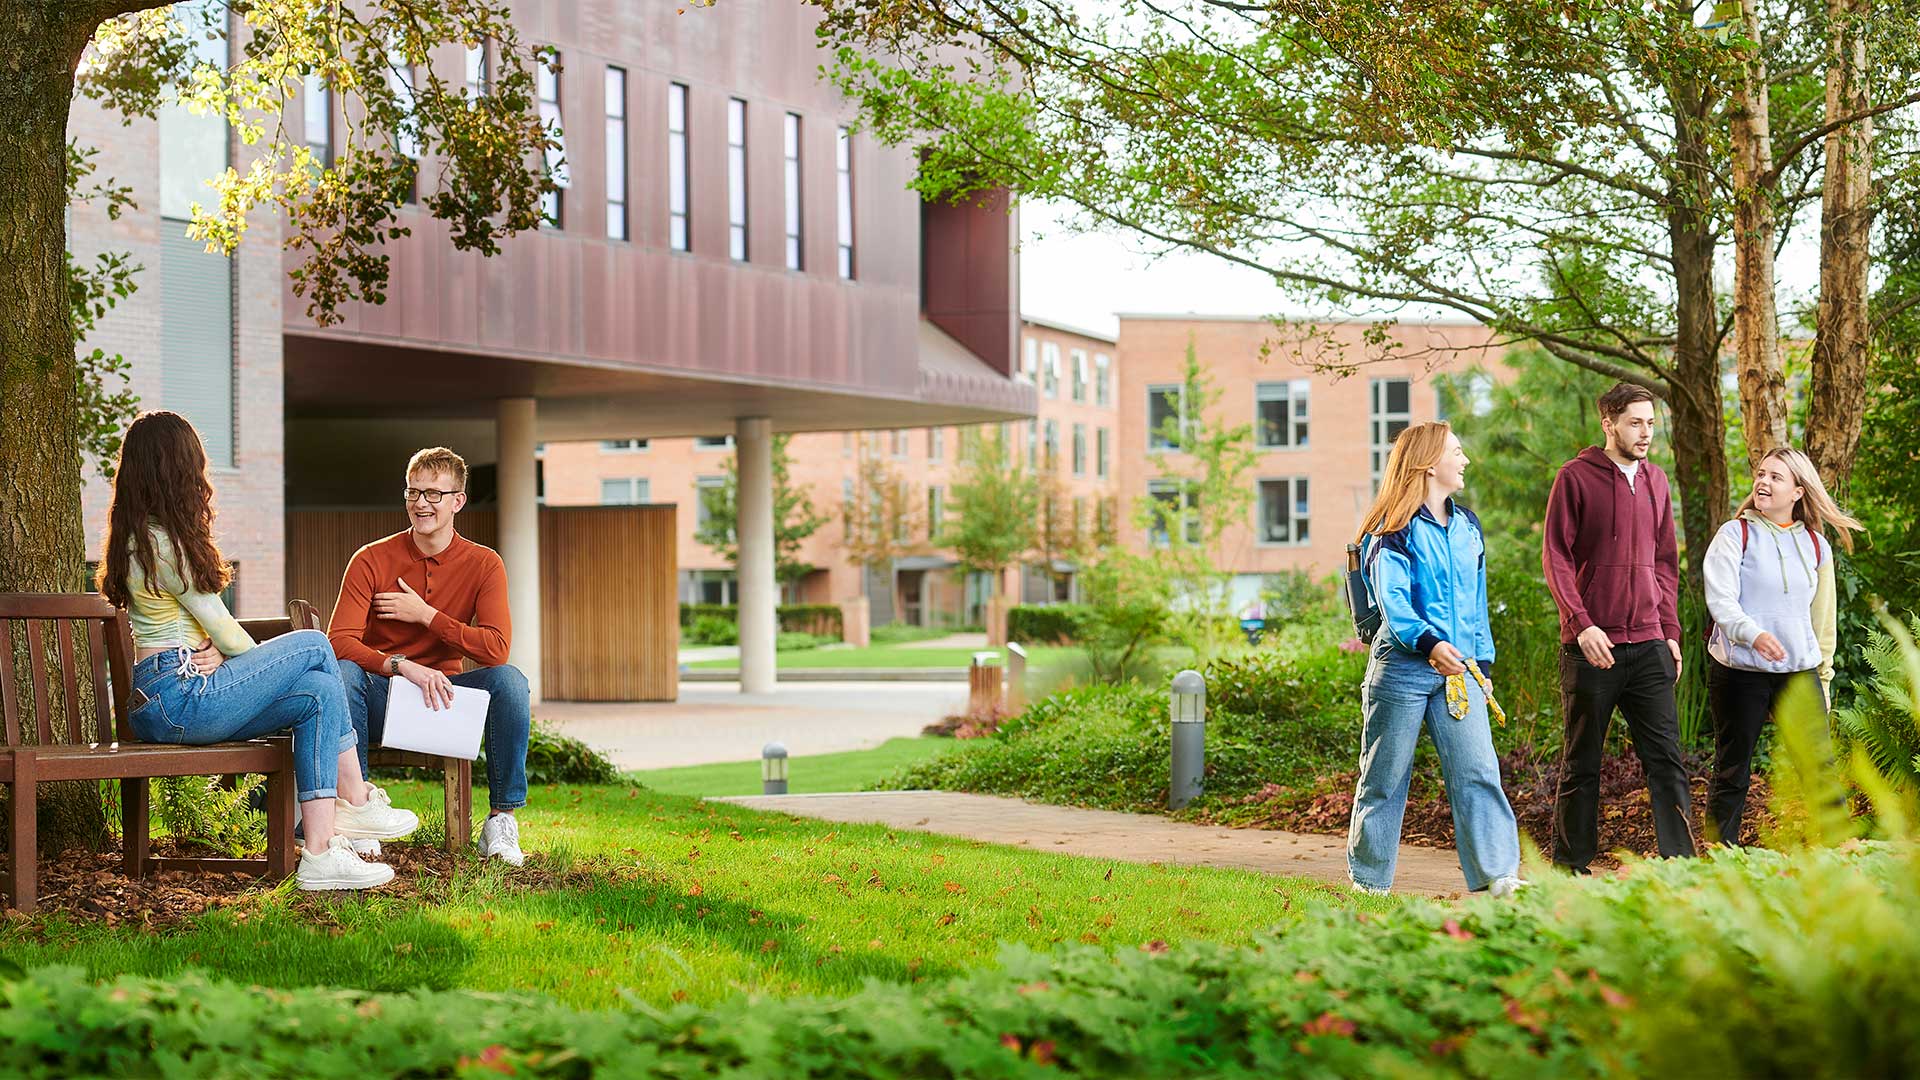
x=729 y=260
x=1076 y=380
x=1320 y=441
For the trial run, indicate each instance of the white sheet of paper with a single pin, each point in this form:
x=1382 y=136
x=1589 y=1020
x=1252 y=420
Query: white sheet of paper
x=449 y=732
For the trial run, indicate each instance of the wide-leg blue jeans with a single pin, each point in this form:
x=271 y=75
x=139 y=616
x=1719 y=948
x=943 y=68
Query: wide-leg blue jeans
x=509 y=719
x=1401 y=694
x=287 y=683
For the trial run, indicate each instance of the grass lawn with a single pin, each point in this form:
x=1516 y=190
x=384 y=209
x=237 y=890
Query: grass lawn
x=672 y=899
x=852 y=770
x=890 y=656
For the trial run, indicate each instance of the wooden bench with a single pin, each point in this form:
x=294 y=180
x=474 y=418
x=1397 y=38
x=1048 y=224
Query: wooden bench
x=456 y=774
x=61 y=754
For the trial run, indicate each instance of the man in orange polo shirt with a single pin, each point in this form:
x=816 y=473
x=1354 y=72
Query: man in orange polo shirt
x=418 y=603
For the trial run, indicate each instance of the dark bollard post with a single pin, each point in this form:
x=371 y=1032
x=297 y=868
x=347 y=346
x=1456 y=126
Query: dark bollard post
x=773 y=769
x=1189 y=715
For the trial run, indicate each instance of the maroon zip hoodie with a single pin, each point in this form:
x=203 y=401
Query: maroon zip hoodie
x=1610 y=555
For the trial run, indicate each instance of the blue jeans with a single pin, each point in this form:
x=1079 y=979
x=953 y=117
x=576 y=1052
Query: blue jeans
x=1401 y=693
x=291 y=682
x=509 y=716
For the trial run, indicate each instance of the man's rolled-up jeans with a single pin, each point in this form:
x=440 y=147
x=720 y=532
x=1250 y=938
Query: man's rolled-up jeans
x=509 y=717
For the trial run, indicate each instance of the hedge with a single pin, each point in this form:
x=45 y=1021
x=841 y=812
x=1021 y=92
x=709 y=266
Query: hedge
x=819 y=619
x=1045 y=624
x=1740 y=963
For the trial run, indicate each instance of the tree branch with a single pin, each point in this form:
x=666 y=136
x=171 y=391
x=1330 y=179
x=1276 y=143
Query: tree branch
x=1768 y=178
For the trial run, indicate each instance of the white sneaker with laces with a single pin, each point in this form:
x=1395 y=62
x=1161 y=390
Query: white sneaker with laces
x=1507 y=886
x=1368 y=891
x=500 y=838
x=339 y=868
x=364 y=847
x=377 y=819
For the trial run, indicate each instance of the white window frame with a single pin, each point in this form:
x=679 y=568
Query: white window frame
x=1077 y=360
x=1298 y=492
x=1297 y=429
x=624 y=446
x=843 y=182
x=613 y=92
x=1155 y=441
x=1050 y=369
x=1380 y=421
x=1102 y=380
x=679 y=197
x=639 y=490
x=792 y=132
x=547 y=85
x=737 y=187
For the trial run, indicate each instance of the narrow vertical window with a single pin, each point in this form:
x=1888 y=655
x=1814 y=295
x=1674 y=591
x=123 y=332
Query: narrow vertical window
x=737 y=179
x=796 y=258
x=843 y=183
x=477 y=74
x=318 y=116
x=616 y=109
x=677 y=232
x=548 y=80
x=406 y=134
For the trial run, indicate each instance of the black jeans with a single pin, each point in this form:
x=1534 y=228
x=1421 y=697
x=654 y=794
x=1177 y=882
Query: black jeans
x=1741 y=702
x=1640 y=682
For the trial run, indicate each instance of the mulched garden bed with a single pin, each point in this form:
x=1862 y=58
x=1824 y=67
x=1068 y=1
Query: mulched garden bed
x=1626 y=816
x=88 y=886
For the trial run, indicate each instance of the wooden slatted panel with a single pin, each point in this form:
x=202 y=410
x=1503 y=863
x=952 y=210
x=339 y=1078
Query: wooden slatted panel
x=97 y=661
x=609 y=603
x=69 y=678
x=9 y=695
x=37 y=664
x=321 y=541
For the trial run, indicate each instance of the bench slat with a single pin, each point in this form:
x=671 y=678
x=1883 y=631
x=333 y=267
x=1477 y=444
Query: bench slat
x=120 y=665
x=55 y=606
x=9 y=695
x=70 y=679
x=37 y=665
x=117 y=761
x=97 y=661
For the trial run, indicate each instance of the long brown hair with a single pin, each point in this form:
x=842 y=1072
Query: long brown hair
x=1404 y=486
x=1815 y=508
x=161 y=481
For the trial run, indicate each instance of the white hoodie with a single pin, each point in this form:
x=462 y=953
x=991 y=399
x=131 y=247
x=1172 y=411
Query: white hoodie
x=1782 y=584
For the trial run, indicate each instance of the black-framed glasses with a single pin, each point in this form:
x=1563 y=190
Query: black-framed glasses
x=432 y=495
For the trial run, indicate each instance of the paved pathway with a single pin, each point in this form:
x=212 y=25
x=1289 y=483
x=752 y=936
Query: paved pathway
x=1105 y=834
x=715 y=722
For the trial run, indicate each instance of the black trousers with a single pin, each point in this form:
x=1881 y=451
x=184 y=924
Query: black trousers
x=1640 y=684
x=1741 y=702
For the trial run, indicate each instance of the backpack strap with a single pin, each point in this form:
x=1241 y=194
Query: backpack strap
x=1743 y=535
x=1818 y=553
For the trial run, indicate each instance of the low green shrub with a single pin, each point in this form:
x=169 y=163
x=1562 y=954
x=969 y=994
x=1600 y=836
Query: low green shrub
x=1269 y=721
x=902 y=634
x=199 y=810
x=822 y=619
x=791 y=641
x=552 y=758
x=1045 y=624
x=1741 y=963
x=1884 y=717
x=713 y=630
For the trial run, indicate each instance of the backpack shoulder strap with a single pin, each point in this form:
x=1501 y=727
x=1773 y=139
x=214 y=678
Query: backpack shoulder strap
x=1818 y=553
x=1743 y=535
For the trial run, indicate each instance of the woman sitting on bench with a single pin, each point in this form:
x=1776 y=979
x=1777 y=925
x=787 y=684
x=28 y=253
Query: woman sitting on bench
x=200 y=679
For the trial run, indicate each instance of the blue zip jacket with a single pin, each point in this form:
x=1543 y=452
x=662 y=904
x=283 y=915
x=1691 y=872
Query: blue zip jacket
x=1430 y=581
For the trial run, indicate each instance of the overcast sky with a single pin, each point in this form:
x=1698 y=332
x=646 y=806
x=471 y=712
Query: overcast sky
x=1085 y=281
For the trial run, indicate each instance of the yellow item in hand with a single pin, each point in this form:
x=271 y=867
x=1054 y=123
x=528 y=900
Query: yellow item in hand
x=1457 y=695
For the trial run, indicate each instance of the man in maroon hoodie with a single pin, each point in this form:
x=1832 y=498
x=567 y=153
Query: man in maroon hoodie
x=1614 y=569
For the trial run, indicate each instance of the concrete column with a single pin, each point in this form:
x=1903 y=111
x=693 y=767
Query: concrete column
x=759 y=592
x=514 y=428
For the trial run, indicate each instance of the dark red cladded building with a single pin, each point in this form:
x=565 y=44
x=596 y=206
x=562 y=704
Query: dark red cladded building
x=728 y=259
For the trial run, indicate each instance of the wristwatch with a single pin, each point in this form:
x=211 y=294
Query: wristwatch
x=393 y=663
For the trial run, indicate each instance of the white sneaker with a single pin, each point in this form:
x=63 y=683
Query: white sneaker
x=1366 y=891
x=500 y=838
x=364 y=847
x=339 y=868
x=1507 y=886
x=378 y=819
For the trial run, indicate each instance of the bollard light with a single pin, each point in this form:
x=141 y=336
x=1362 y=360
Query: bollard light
x=1188 y=711
x=773 y=769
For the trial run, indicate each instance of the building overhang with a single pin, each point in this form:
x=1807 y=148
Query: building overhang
x=358 y=377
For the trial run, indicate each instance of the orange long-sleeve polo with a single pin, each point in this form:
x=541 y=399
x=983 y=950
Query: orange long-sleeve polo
x=466 y=584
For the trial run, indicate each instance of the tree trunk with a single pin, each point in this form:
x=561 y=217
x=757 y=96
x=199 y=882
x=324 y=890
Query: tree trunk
x=1838 y=391
x=42 y=541
x=1763 y=381
x=1699 y=427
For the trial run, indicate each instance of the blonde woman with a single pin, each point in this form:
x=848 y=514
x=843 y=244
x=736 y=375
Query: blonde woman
x=1427 y=568
x=1769 y=575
